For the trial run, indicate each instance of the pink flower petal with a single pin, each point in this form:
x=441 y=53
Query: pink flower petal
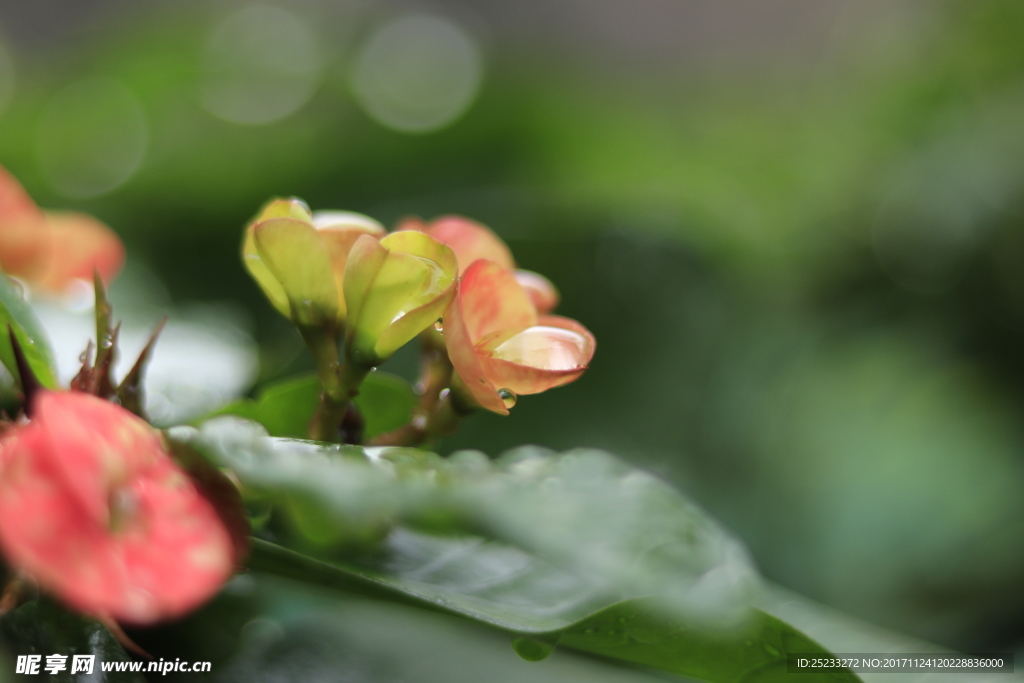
x=53 y=249
x=542 y=292
x=96 y=511
x=552 y=353
x=464 y=357
x=493 y=305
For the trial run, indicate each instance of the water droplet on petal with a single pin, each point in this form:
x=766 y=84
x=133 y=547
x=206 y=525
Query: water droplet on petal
x=439 y=325
x=508 y=397
x=547 y=348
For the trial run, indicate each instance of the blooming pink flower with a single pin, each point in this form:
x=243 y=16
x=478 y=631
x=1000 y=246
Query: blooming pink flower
x=472 y=241
x=95 y=509
x=499 y=345
x=52 y=249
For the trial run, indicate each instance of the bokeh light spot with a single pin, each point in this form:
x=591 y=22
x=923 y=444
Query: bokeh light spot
x=261 y=64
x=91 y=138
x=417 y=73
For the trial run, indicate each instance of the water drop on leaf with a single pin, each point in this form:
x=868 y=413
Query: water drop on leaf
x=532 y=649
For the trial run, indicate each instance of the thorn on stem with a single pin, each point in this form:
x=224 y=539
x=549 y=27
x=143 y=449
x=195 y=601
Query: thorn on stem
x=30 y=385
x=129 y=393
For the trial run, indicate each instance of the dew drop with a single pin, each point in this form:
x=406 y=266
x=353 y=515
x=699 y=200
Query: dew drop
x=508 y=397
x=532 y=649
x=439 y=325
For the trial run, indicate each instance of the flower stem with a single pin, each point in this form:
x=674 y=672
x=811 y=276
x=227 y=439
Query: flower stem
x=339 y=383
x=435 y=415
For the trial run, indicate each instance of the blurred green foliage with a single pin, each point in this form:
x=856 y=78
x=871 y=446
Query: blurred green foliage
x=804 y=279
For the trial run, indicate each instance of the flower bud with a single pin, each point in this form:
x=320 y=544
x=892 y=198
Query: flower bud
x=98 y=513
x=298 y=261
x=395 y=288
x=500 y=347
x=298 y=258
x=468 y=239
x=472 y=241
x=339 y=230
x=52 y=250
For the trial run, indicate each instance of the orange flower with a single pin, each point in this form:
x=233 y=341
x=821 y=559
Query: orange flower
x=52 y=249
x=94 y=508
x=472 y=241
x=501 y=347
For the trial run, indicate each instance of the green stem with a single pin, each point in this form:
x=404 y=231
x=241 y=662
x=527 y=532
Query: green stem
x=445 y=419
x=436 y=414
x=339 y=382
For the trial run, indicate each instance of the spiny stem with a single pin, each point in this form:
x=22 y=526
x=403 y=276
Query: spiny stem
x=30 y=384
x=104 y=345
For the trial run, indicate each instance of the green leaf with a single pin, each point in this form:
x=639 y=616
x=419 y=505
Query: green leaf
x=14 y=311
x=285 y=408
x=533 y=541
x=386 y=402
x=309 y=634
x=41 y=627
x=544 y=546
x=637 y=631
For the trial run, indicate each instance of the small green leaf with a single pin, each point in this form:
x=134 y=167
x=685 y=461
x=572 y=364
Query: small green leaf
x=283 y=408
x=386 y=402
x=15 y=311
x=286 y=408
x=41 y=627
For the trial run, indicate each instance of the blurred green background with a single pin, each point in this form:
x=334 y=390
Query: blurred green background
x=795 y=227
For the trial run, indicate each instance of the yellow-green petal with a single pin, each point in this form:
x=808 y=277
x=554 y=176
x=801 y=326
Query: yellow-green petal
x=285 y=208
x=395 y=289
x=297 y=258
x=264 y=278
